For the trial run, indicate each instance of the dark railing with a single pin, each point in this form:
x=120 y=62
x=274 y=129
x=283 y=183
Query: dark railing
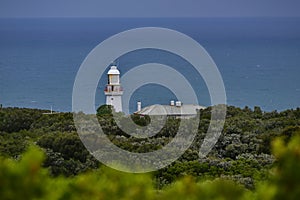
x=113 y=89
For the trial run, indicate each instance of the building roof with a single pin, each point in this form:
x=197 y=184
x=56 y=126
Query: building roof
x=113 y=70
x=186 y=109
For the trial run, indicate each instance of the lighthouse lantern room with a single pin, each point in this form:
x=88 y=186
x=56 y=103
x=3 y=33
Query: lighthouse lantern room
x=113 y=89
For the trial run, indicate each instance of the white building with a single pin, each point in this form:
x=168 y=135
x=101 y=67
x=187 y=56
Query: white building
x=175 y=109
x=113 y=89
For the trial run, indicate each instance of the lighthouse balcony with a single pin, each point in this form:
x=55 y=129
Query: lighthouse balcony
x=112 y=88
x=114 y=93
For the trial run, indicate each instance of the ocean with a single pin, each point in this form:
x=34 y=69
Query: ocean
x=258 y=58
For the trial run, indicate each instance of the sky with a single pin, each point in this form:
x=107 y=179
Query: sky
x=149 y=8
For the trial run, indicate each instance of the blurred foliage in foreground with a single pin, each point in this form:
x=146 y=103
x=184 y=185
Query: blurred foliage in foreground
x=26 y=179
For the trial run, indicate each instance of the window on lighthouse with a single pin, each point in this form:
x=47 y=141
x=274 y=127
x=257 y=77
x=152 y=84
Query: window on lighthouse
x=114 y=79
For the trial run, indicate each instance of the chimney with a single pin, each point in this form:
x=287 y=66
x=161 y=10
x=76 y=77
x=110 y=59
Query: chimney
x=139 y=106
x=172 y=103
x=178 y=103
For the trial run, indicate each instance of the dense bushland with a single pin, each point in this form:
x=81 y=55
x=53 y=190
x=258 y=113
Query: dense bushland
x=46 y=156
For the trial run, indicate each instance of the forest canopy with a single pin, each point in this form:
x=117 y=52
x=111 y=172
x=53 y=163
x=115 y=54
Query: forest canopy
x=256 y=157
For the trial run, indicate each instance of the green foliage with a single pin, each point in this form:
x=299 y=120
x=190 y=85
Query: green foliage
x=287 y=174
x=25 y=179
x=62 y=122
x=187 y=188
x=105 y=110
x=110 y=184
x=69 y=145
x=178 y=169
x=241 y=157
x=12 y=144
x=16 y=119
x=141 y=120
x=66 y=154
x=286 y=134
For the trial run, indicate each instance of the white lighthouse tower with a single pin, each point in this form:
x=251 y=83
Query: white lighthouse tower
x=113 y=90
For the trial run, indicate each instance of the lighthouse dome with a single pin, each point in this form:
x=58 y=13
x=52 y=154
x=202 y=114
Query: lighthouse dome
x=113 y=70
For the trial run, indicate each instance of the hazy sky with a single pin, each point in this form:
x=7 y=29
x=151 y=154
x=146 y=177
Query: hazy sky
x=149 y=8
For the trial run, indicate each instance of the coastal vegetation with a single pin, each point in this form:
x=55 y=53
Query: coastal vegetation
x=256 y=157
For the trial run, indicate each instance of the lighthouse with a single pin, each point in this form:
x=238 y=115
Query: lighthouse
x=113 y=90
